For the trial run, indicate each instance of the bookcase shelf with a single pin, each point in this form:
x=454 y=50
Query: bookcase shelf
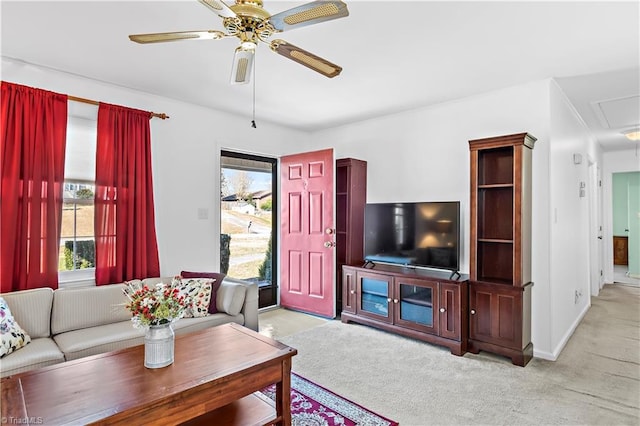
x=351 y=196
x=500 y=270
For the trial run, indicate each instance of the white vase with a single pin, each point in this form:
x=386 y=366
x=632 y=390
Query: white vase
x=158 y=346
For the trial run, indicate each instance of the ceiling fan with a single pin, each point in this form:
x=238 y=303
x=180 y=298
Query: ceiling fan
x=251 y=23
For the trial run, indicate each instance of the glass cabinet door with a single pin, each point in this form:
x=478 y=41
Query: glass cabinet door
x=415 y=304
x=374 y=296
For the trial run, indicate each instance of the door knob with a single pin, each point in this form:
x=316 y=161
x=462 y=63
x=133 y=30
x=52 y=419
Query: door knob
x=443 y=310
x=473 y=312
x=329 y=244
x=329 y=231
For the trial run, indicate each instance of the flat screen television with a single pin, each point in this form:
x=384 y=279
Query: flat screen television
x=421 y=234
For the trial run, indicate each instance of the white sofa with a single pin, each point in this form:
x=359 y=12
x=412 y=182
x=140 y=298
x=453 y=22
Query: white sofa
x=71 y=323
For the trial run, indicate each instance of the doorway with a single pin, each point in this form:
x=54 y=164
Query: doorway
x=248 y=221
x=626 y=227
x=596 y=273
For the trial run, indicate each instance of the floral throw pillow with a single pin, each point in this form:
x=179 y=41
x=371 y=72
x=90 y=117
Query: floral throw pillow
x=199 y=291
x=217 y=280
x=13 y=336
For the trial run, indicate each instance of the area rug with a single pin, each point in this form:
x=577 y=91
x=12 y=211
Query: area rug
x=313 y=405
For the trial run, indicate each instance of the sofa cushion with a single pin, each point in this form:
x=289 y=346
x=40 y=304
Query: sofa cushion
x=39 y=353
x=230 y=297
x=189 y=325
x=78 y=308
x=32 y=310
x=102 y=338
x=199 y=291
x=217 y=276
x=13 y=336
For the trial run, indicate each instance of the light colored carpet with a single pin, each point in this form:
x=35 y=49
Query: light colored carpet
x=596 y=380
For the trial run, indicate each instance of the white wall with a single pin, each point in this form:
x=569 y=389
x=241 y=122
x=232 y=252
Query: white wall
x=186 y=159
x=614 y=162
x=569 y=243
x=423 y=155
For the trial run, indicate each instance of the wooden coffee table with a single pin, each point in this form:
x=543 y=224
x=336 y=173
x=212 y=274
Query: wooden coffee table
x=213 y=380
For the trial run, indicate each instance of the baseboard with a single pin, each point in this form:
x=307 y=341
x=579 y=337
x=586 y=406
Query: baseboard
x=269 y=308
x=543 y=355
x=553 y=356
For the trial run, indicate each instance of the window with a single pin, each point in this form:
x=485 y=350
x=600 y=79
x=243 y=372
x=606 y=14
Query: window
x=77 y=240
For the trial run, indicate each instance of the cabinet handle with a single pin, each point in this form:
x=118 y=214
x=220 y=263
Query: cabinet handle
x=473 y=312
x=388 y=299
x=443 y=310
x=353 y=292
x=395 y=300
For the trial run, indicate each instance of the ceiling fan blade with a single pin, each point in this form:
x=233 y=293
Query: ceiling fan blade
x=176 y=36
x=242 y=66
x=308 y=14
x=219 y=7
x=305 y=58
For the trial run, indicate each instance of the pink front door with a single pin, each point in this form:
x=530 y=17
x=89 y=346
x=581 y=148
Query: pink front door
x=307 y=233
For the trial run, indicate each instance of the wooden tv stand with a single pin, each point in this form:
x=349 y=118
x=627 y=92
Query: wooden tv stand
x=428 y=305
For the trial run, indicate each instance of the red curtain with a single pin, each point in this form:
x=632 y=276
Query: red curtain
x=32 y=150
x=126 y=246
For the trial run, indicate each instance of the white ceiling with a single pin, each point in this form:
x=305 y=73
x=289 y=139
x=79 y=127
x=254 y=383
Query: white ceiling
x=396 y=55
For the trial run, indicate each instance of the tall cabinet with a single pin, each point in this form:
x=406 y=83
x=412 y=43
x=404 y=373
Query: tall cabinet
x=351 y=197
x=500 y=270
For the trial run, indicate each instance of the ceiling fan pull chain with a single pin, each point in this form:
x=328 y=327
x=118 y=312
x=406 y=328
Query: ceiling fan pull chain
x=253 y=122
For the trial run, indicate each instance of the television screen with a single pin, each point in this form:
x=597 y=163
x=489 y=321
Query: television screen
x=423 y=234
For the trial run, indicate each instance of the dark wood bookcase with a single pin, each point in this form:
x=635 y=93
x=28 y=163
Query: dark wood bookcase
x=500 y=271
x=351 y=197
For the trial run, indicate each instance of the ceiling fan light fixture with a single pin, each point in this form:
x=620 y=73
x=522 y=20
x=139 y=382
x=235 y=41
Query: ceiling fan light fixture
x=248 y=45
x=632 y=135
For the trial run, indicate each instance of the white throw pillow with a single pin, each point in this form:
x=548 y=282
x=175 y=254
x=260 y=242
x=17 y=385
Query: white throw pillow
x=230 y=298
x=13 y=336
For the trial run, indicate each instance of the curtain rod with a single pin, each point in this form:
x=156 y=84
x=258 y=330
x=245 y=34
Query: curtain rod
x=161 y=115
